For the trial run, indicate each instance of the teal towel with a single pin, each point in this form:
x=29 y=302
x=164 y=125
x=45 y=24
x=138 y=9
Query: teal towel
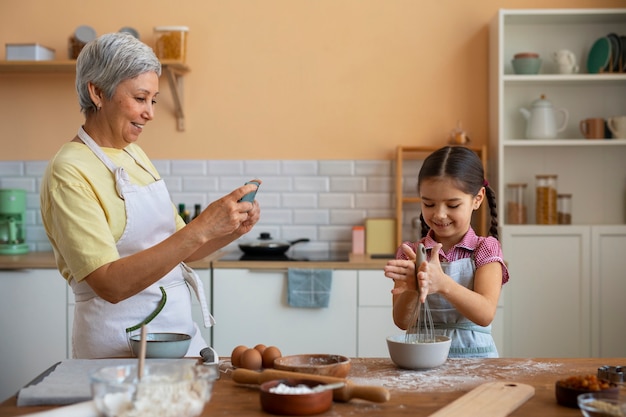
x=309 y=288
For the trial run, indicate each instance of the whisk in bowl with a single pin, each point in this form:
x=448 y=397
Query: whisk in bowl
x=421 y=328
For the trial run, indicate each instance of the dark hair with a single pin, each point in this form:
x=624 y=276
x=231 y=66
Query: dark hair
x=465 y=167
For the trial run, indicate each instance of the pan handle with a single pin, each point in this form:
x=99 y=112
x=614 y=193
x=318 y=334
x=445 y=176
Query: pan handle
x=293 y=242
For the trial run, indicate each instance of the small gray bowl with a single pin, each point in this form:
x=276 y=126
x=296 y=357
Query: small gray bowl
x=162 y=345
x=418 y=355
x=526 y=65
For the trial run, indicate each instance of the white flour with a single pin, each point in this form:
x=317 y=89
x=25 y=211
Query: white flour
x=454 y=375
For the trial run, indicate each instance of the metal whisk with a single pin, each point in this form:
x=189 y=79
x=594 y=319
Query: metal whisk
x=421 y=328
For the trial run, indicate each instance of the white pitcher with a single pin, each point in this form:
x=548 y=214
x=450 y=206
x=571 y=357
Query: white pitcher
x=565 y=61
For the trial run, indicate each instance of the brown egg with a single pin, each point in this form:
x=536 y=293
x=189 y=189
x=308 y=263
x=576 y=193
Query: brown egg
x=269 y=354
x=251 y=359
x=260 y=347
x=235 y=356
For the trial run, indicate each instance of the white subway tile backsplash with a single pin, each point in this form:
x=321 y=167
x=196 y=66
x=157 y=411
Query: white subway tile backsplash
x=319 y=200
x=374 y=200
x=300 y=200
x=317 y=184
x=189 y=167
x=334 y=168
x=299 y=167
x=311 y=217
x=347 y=217
x=260 y=169
x=336 y=200
x=370 y=168
x=11 y=169
x=203 y=183
x=349 y=184
x=380 y=184
x=35 y=168
x=219 y=168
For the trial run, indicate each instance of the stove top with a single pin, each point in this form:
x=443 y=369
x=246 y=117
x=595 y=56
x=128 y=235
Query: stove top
x=293 y=256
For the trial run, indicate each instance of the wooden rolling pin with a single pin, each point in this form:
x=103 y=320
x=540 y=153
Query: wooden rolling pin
x=344 y=394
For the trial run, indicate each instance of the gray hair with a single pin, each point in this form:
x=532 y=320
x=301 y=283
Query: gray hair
x=109 y=60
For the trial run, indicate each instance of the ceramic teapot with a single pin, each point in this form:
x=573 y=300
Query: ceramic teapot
x=541 y=119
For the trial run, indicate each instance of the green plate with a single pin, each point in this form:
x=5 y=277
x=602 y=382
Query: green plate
x=599 y=55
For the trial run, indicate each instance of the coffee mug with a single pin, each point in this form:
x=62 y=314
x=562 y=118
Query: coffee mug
x=617 y=126
x=592 y=128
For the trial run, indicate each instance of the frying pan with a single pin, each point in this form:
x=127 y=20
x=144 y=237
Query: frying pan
x=266 y=245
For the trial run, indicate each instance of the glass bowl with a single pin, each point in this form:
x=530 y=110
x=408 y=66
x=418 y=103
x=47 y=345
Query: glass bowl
x=599 y=404
x=178 y=388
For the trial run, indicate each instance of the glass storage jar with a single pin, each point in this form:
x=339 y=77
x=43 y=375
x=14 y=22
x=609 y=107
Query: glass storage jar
x=171 y=42
x=564 y=208
x=516 y=212
x=546 y=199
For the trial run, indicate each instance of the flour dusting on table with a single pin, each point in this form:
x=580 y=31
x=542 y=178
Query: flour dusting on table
x=454 y=375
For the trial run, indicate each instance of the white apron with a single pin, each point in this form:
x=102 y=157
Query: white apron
x=469 y=340
x=102 y=329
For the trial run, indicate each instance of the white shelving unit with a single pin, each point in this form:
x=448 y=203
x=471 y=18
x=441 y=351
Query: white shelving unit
x=593 y=171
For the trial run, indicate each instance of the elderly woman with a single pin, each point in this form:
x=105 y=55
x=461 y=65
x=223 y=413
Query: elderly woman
x=116 y=234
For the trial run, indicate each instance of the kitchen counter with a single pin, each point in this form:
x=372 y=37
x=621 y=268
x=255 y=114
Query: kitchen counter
x=412 y=392
x=45 y=260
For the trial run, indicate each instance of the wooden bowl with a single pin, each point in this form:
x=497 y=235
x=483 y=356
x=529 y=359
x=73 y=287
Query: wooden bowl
x=316 y=364
x=568 y=396
x=295 y=404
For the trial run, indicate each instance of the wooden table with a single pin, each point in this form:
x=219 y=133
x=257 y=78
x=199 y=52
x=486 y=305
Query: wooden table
x=413 y=393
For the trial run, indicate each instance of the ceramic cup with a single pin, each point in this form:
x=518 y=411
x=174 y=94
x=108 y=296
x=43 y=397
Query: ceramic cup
x=592 y=128
x=617 y=126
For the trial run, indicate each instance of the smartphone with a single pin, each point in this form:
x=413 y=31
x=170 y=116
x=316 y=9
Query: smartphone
x=252 y=194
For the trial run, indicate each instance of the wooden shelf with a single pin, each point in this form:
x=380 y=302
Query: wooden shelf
x=174 y=71
x=421 y=152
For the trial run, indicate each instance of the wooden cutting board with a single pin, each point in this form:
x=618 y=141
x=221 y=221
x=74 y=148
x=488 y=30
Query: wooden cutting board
x=492 y=399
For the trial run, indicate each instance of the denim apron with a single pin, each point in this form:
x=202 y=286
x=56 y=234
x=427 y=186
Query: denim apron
x=102 y=329
x=469 y=340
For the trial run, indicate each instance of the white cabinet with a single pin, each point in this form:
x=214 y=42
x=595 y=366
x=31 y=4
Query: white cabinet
x=608 y=290
x=250 y=307
x=566 y=294
x=375 y=319
x=563 y=285
x=33 y=324
x=547 y=300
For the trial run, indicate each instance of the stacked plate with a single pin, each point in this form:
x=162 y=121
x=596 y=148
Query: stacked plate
x=608 y=54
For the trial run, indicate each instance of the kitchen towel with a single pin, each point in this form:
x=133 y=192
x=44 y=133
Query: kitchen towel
x=309 y=288
x=68 y=382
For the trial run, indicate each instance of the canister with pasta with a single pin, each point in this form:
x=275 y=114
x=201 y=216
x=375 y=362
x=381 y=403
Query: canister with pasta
x=171 y=42
x=546 y=199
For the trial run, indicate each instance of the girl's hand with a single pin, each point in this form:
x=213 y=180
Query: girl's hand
x=402 y=271
x=430 y=275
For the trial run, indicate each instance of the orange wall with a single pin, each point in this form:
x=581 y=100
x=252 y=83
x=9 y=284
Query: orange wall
x=275 y=79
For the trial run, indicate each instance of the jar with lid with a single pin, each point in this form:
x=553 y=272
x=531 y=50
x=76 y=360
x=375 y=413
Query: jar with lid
x=516 y=203
x=546 y=199
x=171 y=42
x=564 y=208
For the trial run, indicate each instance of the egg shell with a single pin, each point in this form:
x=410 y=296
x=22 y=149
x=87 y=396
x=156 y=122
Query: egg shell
x=235 y=356
x=260 y=347
x=251 y=359
x=269 y=354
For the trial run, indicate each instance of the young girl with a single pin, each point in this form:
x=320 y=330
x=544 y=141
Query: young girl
x=463 y=273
